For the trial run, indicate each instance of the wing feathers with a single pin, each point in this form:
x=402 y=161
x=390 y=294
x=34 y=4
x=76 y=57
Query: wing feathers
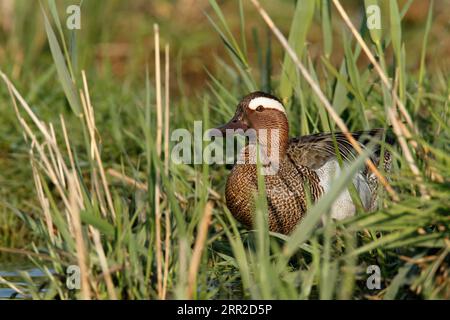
x=316 y=149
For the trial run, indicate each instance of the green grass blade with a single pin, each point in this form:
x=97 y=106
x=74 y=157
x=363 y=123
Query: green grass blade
x=326 y=28
x=422 y=57
x=301 y=22
x=375 y=33
x=62 y=70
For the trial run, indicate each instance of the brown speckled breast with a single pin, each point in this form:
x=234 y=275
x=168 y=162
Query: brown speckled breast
x=286 y=197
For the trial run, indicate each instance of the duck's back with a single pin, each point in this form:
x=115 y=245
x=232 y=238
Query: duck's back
x=318 y=152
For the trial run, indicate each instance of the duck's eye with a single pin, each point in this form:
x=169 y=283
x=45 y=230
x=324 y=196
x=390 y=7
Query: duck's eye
x=260 y=108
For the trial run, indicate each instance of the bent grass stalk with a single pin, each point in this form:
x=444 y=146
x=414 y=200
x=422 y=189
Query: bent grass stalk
x=83 y=262
x=198 y=248
x=103 y=263
x=90 y=122
x=399 y=130
x=322 y=97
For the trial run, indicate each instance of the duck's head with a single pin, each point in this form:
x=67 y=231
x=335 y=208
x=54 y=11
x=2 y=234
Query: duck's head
x=259 y=110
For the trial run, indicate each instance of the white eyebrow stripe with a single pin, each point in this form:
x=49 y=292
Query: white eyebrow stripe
x=267 y=103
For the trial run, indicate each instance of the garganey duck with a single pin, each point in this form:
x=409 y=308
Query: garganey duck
x=305 y=162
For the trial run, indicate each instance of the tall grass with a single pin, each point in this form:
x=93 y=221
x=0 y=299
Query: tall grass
x=144 y=227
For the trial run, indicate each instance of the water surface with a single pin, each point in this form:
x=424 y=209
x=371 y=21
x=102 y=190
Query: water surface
x=11 y=271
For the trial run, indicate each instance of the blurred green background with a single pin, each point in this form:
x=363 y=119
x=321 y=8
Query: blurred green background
x=119 y=35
